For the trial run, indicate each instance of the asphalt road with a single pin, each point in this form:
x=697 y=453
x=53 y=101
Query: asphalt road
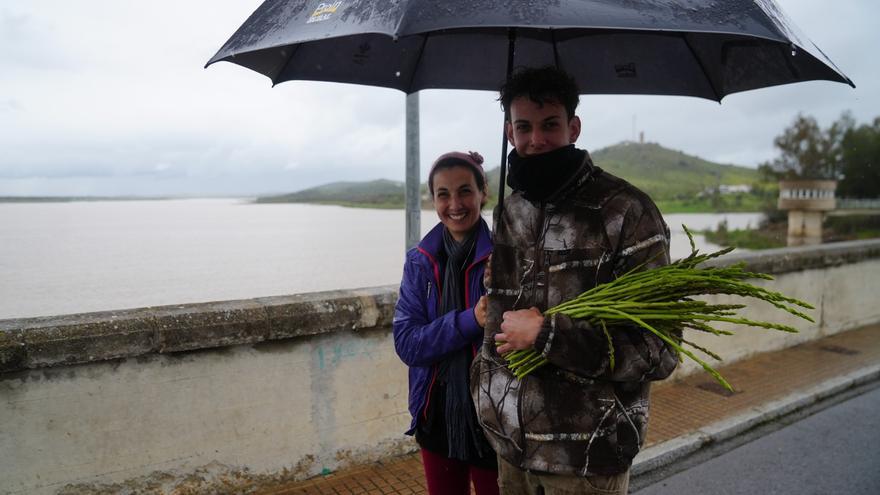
x=836 y=450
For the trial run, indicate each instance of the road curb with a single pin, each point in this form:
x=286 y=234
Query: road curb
x=670 y=451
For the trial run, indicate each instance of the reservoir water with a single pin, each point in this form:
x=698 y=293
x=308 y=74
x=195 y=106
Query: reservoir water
x=60 y=258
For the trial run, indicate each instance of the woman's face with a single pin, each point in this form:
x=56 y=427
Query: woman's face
x=457 y=200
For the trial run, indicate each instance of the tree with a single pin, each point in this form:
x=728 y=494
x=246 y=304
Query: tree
x=860 y=155
x=808 y=152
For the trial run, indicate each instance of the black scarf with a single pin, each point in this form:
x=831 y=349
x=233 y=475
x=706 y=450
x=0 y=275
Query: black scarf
x=466 y=440
x=539 y=177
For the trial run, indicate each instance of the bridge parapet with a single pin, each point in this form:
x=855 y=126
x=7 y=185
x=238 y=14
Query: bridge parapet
x=28 y=343
x=281 y=388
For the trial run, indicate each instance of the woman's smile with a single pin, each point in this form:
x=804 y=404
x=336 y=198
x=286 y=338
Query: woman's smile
x=457 y=200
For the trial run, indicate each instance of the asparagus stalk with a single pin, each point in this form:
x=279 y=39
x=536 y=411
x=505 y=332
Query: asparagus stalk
x=660 y=301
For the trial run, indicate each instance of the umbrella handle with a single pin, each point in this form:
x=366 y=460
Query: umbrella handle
x=511 y=47
x=503 y=174
x=498 y=225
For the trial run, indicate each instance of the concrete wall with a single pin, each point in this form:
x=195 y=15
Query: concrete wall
x=842 y=280
x=227 y=396
x=210 y=397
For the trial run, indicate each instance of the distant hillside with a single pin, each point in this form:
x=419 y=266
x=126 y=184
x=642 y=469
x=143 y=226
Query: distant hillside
x=666 y=174
x=381 y=193
x=72 y=199
x=661 y=172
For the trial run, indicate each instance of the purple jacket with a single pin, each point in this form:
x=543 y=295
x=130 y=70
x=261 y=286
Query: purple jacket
x=422 y=337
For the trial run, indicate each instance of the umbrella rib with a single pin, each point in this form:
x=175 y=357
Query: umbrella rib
x=418 y=61
x=286 y=62
x=702 y=67
x=834 y=66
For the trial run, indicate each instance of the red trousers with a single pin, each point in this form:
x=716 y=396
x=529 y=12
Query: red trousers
x=447 y=476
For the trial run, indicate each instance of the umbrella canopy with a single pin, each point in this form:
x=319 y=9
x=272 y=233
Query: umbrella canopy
x=706 y=49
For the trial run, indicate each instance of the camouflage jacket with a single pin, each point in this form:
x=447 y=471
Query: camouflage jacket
x=575 y=416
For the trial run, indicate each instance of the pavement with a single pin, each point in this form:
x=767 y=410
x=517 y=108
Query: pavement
x=687 y=415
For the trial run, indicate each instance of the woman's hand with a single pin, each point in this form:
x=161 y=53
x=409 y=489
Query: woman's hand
x=487 y=273
x=480 y=311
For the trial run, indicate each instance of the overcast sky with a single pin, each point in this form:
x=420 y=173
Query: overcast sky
x=111 y=98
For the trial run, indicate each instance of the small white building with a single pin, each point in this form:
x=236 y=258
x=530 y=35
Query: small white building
x=734 y=188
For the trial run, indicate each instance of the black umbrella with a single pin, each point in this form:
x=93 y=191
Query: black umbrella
x=701 y=48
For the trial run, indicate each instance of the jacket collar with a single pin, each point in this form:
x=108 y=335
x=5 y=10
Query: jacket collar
x=586 y=170
x=432 y=243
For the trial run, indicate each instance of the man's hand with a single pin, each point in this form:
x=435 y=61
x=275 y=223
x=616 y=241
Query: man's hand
x=519 y=329
x=480 y=311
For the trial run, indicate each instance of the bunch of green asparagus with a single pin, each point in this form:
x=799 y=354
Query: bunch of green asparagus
x=660 y=301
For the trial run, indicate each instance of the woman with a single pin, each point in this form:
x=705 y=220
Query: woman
x=438 y=329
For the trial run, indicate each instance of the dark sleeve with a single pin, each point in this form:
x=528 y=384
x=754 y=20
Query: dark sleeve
x=420 y=342
x=639 y=355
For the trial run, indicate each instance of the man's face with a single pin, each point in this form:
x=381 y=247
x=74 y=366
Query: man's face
x=538 y=128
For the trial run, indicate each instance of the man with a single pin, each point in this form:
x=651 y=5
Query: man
x=574 y=425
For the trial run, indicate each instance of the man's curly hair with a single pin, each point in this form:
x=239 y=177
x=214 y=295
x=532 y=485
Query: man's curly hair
x=541 y=85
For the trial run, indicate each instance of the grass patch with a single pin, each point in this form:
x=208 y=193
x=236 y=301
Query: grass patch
x=852 y=227
x=355 y=204
x=774 y=234
x=747 y=238
x=726 y=203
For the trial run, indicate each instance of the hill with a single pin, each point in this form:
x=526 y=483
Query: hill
x=381 y=193
x=667 y=175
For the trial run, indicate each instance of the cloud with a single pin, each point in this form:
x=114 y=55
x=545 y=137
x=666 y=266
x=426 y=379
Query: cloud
x=25 y=43
x=110 y=96
x=10 y=105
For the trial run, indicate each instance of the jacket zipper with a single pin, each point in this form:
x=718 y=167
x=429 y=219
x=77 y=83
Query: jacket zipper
x=434 y=368
x=428 y=395
x=467 y=292
x=467 y=285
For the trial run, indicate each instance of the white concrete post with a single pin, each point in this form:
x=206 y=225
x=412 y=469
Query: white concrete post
x=412 y=192
x=807 y=202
